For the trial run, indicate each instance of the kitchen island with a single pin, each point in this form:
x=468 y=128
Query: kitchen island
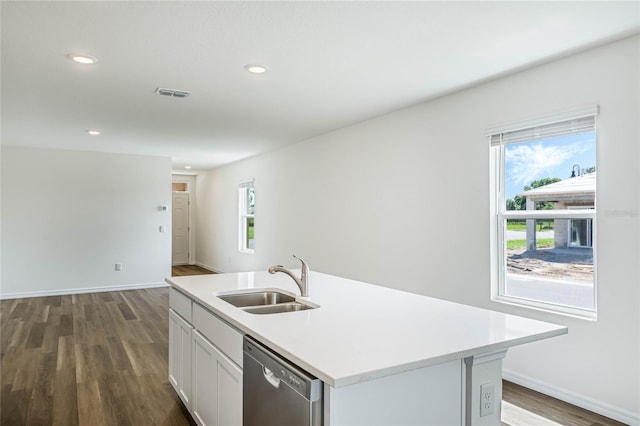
x=385 y=356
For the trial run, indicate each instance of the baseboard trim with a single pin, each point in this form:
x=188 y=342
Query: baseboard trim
x=211 y=268
x=599 y=407
x=68 y=291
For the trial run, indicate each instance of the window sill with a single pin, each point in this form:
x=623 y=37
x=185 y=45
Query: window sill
x=564 y=311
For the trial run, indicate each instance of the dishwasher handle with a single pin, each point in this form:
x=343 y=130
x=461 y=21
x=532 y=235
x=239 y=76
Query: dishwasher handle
x=270 y=377
x=277 y=370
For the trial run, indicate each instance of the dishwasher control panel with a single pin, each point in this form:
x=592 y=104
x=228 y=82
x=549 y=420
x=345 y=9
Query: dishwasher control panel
x=278 y=368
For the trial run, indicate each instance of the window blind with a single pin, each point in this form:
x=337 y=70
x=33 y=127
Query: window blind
x=568 y=123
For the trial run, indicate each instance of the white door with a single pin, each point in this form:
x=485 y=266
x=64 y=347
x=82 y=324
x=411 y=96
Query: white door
x=180 y=228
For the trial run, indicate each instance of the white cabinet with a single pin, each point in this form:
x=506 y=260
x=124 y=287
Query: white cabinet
x=217 y=386
x=205 y=362
x=180 y=336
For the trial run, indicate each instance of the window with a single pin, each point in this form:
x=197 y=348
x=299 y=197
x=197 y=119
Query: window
x=544 y=213
x=246 y=219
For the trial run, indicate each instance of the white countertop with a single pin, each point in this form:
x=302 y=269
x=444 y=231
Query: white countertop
x=363 y=331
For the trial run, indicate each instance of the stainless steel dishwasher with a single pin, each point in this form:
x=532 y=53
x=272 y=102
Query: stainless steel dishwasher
x=276 y=392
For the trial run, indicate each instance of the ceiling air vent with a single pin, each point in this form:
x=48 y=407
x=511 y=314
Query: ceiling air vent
x=171 y=92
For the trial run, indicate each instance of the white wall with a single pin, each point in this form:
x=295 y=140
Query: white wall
x=69 y=216
x=403 y=200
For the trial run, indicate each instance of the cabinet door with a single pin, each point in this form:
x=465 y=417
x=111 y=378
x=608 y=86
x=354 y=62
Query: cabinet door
x=180 y=332
x=217 y=386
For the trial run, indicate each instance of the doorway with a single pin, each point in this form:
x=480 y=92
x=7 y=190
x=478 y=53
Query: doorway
x=180 y=228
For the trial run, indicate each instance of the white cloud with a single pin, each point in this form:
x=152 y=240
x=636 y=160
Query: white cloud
x=529 y=162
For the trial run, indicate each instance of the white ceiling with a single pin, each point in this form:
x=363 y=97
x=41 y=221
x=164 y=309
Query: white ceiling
x=331 y=64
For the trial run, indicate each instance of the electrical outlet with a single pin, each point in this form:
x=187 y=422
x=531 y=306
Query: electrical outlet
x=118 y=266
x=487 y=399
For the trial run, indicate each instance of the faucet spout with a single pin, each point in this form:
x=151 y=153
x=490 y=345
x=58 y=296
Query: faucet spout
x=302 y=282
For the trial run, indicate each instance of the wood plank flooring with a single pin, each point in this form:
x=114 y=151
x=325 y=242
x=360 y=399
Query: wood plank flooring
x=525 y=407
x=101 y=359
x=182 y=270
x=87 y=359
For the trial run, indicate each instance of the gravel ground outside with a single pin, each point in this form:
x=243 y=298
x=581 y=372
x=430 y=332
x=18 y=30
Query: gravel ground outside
x=574 y=264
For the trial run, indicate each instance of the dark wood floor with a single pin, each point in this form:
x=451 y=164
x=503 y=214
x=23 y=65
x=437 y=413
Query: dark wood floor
x=182 y=270
x=522 y=406
x=87 y=359
x=101 y=359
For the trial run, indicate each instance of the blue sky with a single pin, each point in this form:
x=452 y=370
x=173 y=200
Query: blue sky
x=529 y=161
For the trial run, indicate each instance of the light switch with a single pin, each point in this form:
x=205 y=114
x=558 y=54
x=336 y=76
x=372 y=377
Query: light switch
x=163 y=228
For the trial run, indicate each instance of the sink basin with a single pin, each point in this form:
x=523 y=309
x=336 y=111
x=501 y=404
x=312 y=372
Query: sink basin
x=259 y=298
x=265 y=302
x=276 y=309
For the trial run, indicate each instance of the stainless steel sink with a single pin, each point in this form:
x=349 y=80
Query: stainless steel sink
x=276 y=309
x=265 y=302
x=258 y=298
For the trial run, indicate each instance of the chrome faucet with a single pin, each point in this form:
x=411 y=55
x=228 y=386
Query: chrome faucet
x=303 y=281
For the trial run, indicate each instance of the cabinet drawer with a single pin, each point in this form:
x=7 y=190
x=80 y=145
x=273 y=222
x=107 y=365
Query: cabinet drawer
x=180 y=303
x=221 y=334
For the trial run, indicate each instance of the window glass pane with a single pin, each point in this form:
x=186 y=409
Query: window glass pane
x=543 y=265
x=249 y=228
x=580 y=232
x=250 y=202
x=246 y=211
x=551 y=174
x=522 y=234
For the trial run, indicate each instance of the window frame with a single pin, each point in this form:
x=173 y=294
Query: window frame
x=499 y=216
x=243 y=216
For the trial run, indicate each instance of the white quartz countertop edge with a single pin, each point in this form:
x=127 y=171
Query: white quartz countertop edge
x=362 y=331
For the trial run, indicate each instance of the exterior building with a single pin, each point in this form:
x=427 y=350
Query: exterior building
x=573 y=193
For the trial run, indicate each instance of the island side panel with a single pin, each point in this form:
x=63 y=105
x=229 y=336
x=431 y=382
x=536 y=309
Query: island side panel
x=480 y=371
x=426 y=396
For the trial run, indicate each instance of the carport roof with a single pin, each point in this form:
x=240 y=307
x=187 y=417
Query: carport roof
x=571 y=187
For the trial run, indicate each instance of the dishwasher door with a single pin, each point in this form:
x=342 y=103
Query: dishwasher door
x=276 y=392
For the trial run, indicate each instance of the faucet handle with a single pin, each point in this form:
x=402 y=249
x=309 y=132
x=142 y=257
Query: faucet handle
x=273 y=269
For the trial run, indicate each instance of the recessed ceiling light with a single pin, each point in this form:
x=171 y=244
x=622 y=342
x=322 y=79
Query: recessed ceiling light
x=255 y=68
x=82 y=59
x=187 y=167
x=94 y=132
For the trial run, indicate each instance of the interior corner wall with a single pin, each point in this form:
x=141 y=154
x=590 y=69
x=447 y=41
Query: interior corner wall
x=402 y=200
x=68 y=217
